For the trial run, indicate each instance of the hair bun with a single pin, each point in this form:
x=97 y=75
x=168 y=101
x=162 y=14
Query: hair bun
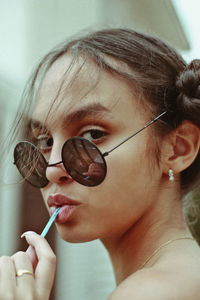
x=188 y=87
x=188 y=82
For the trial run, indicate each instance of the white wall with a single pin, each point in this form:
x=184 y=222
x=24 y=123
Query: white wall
x=188 y=13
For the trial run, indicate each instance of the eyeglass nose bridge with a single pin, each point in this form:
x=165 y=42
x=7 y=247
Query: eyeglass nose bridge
x=58 y=163
x=55 y=164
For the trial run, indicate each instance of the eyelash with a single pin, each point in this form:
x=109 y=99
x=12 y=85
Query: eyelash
x=100 y=136
x=44 y=138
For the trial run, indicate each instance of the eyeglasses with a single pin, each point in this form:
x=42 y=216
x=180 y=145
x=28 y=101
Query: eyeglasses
x=81 y=158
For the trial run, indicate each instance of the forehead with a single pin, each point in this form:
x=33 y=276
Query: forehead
x=69 y=86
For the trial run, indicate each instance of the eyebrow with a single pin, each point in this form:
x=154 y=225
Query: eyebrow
x=90 y=110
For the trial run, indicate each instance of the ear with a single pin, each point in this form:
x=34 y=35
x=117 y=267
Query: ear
x=181 y=147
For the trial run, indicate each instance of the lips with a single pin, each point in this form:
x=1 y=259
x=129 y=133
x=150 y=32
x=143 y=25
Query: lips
x=68 y=206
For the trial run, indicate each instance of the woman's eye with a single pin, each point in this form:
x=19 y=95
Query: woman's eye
x=94 y=134
x=44 y=143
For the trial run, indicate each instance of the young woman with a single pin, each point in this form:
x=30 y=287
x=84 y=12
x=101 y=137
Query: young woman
x=114 y=141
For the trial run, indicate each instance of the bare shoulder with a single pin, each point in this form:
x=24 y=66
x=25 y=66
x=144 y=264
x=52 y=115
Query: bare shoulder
x=142 y=285
x=159 y=284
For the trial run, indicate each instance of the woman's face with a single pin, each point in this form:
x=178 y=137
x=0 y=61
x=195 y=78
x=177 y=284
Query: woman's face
x=105 y=113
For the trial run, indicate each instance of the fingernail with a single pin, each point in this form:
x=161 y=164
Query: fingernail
x=26 y=233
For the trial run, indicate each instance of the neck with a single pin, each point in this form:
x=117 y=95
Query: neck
x=159 y=224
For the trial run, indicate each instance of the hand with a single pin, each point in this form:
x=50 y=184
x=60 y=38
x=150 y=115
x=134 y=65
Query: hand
x=37 y=286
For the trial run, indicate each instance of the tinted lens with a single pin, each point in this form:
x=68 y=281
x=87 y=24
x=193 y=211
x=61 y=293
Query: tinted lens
x=31 y=164
x=83 y=161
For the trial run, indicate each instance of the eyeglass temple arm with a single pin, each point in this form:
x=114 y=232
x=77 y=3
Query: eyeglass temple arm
x=128 y=138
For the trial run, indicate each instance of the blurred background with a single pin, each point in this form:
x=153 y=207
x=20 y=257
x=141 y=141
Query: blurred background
x=28 y=30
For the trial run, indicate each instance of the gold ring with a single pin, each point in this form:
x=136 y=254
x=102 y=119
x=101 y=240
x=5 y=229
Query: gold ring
x=22 y=272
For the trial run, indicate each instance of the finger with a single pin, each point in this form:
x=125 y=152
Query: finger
x=7 y=278
x=32 y=256
x=45 y=269
x=26 y=281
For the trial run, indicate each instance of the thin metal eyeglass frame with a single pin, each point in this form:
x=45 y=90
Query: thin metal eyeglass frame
x=128 y=138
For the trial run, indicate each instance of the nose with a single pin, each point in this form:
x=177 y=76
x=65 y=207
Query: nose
x=56 y=172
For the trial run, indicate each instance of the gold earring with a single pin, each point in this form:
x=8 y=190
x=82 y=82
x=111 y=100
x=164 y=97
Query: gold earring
x=171 y=175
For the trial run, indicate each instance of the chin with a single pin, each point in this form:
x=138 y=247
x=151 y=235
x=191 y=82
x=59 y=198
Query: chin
x=74 y=236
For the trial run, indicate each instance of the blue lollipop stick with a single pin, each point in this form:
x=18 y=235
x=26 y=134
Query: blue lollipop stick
x=50 y=222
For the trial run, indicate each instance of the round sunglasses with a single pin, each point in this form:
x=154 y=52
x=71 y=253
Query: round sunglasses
x=81 y=158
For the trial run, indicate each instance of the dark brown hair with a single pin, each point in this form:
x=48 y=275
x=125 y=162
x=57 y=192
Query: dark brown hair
x=161 y=76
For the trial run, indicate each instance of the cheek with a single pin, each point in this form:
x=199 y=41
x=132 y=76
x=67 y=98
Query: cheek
x=127 y=182
x=122 y=197
x=44 y=194
x=130 y=177
x=128 y=165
